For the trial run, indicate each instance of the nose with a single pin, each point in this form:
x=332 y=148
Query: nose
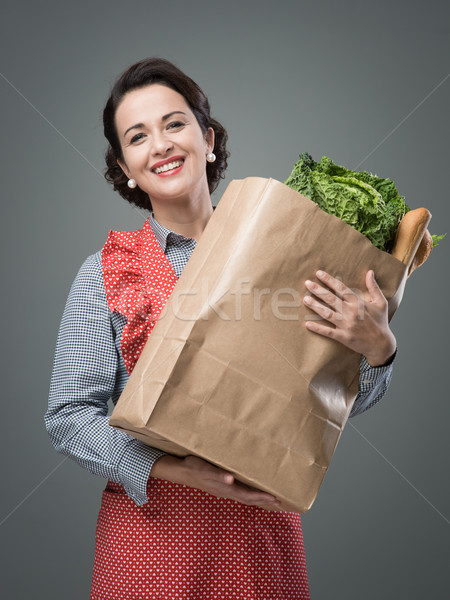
x=161 y=144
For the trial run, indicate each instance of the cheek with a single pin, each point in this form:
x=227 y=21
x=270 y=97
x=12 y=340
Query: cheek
x=203 y=150
x=134 y=157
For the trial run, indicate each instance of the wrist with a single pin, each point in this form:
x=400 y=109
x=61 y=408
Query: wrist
x=384 y=354
x=166 y=467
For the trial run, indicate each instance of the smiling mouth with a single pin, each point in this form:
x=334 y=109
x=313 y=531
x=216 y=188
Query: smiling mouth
x=168 y=167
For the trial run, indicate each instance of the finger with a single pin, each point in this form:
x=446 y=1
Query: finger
x=340 y=289
x=252 y=499
x=330 y=332
x=251 y=491
x=323 y=311
x=222 y=476
x=251 y=495
x=373 y=288
x=257 y=500
x=323 y=294
x=212 y=472
x=272 y=507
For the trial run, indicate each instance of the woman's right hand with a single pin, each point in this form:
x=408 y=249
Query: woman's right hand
x=202 y=475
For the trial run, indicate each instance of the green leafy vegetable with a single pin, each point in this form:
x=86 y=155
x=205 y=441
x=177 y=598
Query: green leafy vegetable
x=437 y=238
x=368 y=203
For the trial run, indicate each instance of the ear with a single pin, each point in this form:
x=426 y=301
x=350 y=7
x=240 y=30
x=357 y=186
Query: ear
x=124 y=168
x=209 y=139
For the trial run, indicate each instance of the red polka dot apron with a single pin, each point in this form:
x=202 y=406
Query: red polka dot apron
x=184 y=543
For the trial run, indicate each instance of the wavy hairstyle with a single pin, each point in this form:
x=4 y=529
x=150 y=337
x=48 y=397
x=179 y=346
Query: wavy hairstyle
x=146 y=72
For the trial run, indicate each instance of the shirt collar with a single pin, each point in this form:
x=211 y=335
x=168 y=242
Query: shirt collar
x=164 y=236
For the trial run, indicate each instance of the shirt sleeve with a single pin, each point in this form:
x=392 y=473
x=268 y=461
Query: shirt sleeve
x=373 y=384
x=84 y=378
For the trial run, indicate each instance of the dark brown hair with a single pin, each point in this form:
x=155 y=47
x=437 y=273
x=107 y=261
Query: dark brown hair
x=145 y=72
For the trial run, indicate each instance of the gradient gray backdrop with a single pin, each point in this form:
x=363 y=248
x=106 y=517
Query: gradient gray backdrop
x=363 y=82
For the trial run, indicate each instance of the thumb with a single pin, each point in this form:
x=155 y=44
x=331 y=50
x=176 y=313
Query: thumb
x=373 y=288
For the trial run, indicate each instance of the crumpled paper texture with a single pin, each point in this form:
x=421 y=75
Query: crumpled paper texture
x=230 y=373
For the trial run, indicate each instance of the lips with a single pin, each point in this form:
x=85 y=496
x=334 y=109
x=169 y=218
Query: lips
x=169 y=166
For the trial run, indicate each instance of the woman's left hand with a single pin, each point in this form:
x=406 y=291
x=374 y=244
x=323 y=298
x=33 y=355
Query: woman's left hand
x=360 y=325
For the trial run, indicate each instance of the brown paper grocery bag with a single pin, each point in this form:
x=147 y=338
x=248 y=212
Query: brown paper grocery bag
x=230 y=373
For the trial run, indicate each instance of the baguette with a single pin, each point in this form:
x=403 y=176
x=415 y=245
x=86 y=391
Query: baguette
x=423 y=251
x=413 y=243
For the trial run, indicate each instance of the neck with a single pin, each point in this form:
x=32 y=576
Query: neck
x=186 y=219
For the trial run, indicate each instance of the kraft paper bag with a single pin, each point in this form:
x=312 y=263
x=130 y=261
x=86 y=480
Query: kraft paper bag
x=229 y=372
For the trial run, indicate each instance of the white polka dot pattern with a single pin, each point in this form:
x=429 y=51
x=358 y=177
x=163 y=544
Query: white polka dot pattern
x=187 y=544
x=138 y=282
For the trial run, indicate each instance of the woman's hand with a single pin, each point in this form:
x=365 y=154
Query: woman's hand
x=200 y=474
x=360 y=325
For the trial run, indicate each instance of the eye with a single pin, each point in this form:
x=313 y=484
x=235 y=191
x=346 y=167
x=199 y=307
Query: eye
x=175 y=125
x=136 y=138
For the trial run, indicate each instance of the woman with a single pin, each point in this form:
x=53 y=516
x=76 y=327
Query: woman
x=176 y=527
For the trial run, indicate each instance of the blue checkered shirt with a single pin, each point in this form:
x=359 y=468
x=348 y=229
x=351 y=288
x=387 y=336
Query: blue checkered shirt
x=89 y=371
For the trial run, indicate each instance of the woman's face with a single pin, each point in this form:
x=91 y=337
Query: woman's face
x=164 y=148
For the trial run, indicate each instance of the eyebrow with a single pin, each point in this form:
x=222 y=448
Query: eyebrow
x=163 y=119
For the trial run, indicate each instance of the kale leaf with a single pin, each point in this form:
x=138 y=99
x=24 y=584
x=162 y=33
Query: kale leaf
x=368 y=203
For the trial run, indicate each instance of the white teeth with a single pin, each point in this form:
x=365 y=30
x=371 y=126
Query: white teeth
x=168 y=166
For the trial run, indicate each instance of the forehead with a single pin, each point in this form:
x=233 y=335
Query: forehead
x=149 y=103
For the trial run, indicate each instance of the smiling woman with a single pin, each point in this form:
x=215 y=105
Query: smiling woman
x=168 y=527
x=173 y=527
x=162 y=72
x=164 y=150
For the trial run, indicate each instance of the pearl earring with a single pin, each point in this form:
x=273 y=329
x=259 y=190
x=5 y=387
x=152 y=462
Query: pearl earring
x=131 y=183
x=211 y=157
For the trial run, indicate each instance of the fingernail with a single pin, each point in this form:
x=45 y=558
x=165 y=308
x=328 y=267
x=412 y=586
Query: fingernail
x=307 y=299
x=320 y=273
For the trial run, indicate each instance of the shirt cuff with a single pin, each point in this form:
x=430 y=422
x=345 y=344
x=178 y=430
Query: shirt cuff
x=373 y=384
x=134 y=470
x=366 y=367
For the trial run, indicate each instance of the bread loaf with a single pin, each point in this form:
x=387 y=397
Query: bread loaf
x=413 y=243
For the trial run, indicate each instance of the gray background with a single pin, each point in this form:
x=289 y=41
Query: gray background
x=365 y=83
